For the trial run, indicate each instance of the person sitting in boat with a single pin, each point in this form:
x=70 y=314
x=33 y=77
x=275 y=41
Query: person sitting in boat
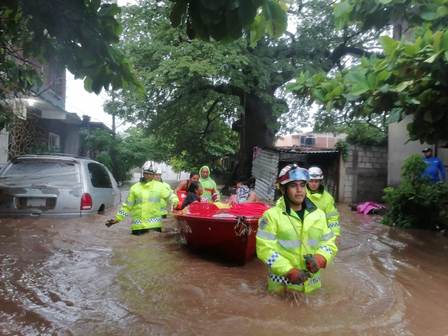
x=244 y=191
x=293 y=238
x=183 y=185
x=193 y=194
x=210 y=192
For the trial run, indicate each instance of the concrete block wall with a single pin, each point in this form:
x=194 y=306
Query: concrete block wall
x=363 y=174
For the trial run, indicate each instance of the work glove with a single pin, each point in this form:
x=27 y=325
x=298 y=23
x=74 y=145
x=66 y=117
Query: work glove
x=315 y=262
x=296 y=276
x=111 y=222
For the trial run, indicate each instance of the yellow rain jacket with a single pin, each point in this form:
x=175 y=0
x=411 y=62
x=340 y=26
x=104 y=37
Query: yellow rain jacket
x=283 y=240
x=163 y=204
x=143 y=204
x=324 y=201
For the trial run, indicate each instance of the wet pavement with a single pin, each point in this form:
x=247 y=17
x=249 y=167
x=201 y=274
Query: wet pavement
x=77 y=277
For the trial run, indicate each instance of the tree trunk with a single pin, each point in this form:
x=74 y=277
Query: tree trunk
x=257 y=129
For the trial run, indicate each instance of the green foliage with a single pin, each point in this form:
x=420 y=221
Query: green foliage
x=121 y=153
x=416 y=202
x=78 y=35
x=342 y=147
x=409 y=78
x=226 y=20
x=363 y=134
x=195 y=90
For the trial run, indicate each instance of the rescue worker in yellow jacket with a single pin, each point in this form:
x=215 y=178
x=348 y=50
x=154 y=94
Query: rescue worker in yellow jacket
x=293 y=238
x=316 y=192
x=143 y=204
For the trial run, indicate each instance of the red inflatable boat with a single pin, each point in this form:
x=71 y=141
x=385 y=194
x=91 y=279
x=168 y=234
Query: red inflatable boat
x=227 y=233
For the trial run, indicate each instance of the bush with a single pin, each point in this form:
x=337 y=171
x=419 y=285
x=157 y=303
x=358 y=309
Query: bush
x=416 y=202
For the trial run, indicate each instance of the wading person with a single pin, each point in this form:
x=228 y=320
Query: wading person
x=434 y=171
x=210 y=191
x=293 y=238
x=143 y=204
x=316 y=192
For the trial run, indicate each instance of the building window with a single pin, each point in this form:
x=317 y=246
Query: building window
x=307 y=141
x=54 y=142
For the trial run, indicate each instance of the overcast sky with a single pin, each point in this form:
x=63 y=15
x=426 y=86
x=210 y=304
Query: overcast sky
x=82 y=102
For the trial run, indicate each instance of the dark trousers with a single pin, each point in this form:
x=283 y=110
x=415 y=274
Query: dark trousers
x=143 y=231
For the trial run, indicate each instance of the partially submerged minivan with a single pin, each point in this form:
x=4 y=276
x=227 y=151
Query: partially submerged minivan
x=56 y=185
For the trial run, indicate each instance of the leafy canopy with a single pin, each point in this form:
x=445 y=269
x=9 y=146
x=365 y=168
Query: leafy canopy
x=408 y=77
x=76 y=34
x=195 y=90
x=226 y=20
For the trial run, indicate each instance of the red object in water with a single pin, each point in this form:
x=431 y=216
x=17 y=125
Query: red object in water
x=181 y=195
x=219 y=232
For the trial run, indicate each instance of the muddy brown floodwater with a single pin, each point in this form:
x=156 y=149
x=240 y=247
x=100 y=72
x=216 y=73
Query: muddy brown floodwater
x=76 y=277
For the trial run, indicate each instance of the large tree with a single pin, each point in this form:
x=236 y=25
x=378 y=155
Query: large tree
x=195 y=89
x=76 y=34
x=404 y=76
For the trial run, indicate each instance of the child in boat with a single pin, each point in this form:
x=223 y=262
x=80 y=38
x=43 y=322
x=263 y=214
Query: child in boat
x=193 y=194
x=244 y=191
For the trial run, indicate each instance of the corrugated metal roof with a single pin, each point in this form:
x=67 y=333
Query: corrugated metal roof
x=304 y=150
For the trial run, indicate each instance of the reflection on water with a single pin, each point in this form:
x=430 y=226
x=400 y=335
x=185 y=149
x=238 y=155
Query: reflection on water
x=76 y=277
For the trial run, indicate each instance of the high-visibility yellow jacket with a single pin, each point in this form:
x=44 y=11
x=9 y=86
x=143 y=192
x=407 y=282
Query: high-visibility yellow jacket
x=143 y=204
x=324 y=201
x=283 y=240
x=163 y=204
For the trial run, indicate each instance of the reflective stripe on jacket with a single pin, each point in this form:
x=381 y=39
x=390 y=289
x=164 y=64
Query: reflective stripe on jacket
x=283 y=240
x=144 y=204
x=324 y=201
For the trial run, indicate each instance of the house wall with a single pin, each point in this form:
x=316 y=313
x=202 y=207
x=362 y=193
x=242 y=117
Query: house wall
x=68 y=134
x=363 y=175
x=400 y=149
x=322 y=140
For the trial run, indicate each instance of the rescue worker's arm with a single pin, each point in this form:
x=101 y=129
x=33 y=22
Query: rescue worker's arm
x=126 y=207
x=332 y=215
x=327 y=246
x=168 y=195
x=267 y=246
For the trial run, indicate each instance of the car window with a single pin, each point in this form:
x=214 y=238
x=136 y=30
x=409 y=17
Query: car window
x=99 y=176
x=49 y=172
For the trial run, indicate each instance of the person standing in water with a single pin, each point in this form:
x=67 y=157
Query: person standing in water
x=293 y=238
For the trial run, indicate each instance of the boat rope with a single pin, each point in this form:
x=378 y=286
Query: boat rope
x=242 y=228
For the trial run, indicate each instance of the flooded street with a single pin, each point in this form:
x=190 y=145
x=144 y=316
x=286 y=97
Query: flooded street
x=76 y=277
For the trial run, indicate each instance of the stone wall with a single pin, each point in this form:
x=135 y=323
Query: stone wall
x=363 y=174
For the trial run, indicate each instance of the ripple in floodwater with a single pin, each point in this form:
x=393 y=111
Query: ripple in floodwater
x=76 y=277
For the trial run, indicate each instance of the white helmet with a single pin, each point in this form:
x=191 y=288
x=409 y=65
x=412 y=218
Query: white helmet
x=159 y=171
x=316 y=173
x=292 y=172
